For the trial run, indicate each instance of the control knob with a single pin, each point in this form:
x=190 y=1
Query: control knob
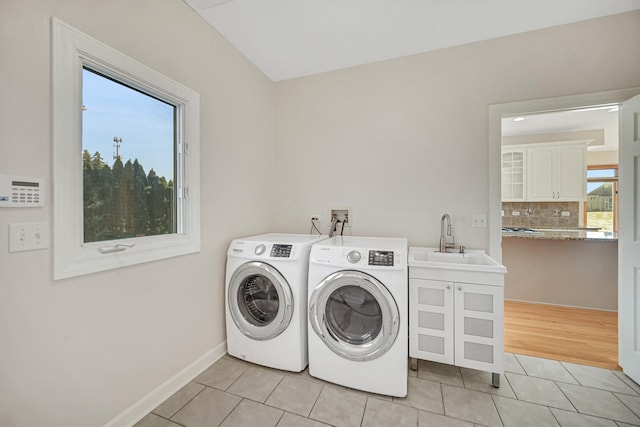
x=353 y=257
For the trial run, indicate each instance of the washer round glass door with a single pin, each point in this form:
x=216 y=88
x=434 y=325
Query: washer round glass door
x=355 y=315
x=259 y=300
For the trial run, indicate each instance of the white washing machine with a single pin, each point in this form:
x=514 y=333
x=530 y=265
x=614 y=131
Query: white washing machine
x=266 y=299
x=358 y=313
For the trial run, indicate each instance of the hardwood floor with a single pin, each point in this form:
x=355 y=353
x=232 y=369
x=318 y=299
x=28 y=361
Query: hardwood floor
x=588 y=337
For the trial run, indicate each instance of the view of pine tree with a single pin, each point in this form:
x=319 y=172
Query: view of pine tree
x=121 y=201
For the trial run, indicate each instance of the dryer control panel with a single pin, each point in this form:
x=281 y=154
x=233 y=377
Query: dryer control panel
x=383 y=258
x=281 y=251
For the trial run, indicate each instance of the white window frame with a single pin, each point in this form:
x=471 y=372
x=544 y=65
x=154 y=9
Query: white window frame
x=71 y=50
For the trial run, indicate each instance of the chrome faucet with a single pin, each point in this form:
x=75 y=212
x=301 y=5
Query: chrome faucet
x=443 y=238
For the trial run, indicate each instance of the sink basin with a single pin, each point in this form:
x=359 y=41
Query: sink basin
x=421 y=255
x=473 y=266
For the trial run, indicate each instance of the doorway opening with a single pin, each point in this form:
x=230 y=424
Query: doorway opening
x=530 y=108
x=549 y=203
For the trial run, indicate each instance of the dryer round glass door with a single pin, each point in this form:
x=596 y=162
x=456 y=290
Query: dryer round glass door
x=355 y=315
x=259 y=300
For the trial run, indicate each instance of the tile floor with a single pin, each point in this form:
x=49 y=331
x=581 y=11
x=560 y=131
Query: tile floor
x=534 y=392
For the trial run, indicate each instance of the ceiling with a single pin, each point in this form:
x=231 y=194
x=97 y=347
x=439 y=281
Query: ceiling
x=586 y=119
x=293 y=38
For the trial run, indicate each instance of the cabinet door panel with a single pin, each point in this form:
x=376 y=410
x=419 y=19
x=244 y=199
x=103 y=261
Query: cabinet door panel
x=431 y=320
x=572 y=172
x=430 y=344
x=481 y=353
x=479 y=326
x=474 y=301
x=430 y=296
x=540 y=179
x=513 y=175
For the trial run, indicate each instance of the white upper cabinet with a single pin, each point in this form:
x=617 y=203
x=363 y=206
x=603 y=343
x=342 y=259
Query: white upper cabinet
x=544 y=172
x=513 y=175
x=557 y=173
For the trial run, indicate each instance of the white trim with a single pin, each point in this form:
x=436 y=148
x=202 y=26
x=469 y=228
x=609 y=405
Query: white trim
x=71 y=49
x=497 y=111
x=563 y=305
x=148 y=403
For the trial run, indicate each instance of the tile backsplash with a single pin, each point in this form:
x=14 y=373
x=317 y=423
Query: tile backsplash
x=541 y=214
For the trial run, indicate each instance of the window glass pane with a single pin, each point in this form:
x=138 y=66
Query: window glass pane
x=601 y=173
x=600 y=205
x=128 y=153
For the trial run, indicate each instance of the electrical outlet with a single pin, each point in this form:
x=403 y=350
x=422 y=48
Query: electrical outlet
x=515 y=213
x=566 y=213
x=479 y=220
x=28 y=236
x=315 y=218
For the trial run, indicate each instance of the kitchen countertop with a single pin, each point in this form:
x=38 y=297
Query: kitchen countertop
x=563 y=234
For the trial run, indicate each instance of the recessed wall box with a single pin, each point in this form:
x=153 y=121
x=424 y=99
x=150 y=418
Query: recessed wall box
x=343 y=216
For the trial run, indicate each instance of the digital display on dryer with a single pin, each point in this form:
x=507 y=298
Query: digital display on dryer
x=384 y=258
x=281 y=251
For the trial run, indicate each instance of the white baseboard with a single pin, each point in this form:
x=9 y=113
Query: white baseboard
x=141 y=408
x=561 y=305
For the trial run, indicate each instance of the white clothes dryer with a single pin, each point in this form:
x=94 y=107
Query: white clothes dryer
x=266 y=299
x=358 y=313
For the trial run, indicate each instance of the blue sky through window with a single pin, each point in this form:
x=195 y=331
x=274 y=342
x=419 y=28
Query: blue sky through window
x=145 y=124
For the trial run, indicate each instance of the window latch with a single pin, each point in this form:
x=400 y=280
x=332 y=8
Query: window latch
x=118 y=247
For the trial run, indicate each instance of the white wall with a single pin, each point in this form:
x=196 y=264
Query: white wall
x=602 y=158
x=78 y=352
x=574 y=273
x=400 y=142
x=403 y=141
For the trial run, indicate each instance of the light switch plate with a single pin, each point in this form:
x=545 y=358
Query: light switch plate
x=479 y=220
x=28 y=236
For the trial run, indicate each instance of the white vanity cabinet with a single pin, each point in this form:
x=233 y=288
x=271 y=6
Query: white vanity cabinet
x=456 y=311
x=460 y=324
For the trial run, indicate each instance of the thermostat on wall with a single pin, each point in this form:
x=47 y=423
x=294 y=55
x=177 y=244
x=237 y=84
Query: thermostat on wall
x=21 y=192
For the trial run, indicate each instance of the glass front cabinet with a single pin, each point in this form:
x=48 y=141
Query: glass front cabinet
x=513 y=175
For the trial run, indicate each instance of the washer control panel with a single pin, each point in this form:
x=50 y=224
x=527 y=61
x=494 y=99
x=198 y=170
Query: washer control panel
x=281 y=251
x=382 y=258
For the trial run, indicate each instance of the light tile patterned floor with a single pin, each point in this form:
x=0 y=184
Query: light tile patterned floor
x=534 y=392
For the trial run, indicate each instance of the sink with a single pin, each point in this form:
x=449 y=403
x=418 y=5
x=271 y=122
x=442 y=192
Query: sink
x=473 y=266
x=473 y=258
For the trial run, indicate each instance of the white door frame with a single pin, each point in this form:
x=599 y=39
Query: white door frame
x=497 y=111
